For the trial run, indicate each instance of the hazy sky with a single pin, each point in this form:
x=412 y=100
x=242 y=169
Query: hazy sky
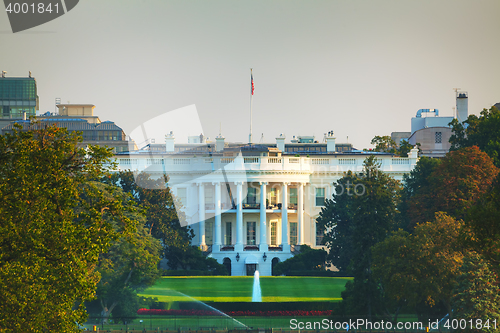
x=360 y=68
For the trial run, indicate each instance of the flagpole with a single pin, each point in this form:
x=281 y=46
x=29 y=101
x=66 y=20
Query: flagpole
x=251 y=106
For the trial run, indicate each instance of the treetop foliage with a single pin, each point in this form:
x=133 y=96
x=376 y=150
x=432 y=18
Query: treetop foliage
x=482 y=131
x=54 y=223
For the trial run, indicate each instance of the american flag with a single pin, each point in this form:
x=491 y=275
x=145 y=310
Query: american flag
x=253 y=87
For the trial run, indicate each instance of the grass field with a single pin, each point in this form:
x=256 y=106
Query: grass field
x=239 y=288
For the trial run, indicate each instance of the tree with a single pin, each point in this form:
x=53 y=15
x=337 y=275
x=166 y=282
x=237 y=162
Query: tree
x=404 y=148
x=479 y=131
x=417 y=183
x=307 y=260
x=335 y=218
x=423 y=266
x=162 y=219
x=54 y=223
x=476 y=295
x=384 y=144
x=482 y=226
x=462 y=177
x=128 y=267
x=369 y=216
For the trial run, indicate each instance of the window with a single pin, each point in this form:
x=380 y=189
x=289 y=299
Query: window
x=227 y=235
x=320 y=235
x=251 y=197
x=272 y=195
x=320 y=196
x=251 y=233
x=182 y=195
x=293 y=233
x=209 y=231
x=274 y=231
x=293 y=196
x=439 y=137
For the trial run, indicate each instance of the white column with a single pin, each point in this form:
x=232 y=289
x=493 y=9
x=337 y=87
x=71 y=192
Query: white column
x=263 y=246
x=239 y=217
x=284 y=218
x=201 y=213
x=218 y=217
x=300 y=213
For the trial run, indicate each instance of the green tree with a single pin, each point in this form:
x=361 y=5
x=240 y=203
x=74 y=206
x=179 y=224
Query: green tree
x=336 y=217
x=479 y=131
x=384 y=144
x=421 y=267
x=482 y=228
x=404 y=148
x=476 y=295
x=54 y=223
x=128 y=267
x=307 y=260
x=417 y=183
x=371 y=217
x=162 y=219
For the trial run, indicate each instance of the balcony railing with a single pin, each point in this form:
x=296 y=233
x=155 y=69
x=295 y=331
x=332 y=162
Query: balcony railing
x=251 y=248
x=333 y=163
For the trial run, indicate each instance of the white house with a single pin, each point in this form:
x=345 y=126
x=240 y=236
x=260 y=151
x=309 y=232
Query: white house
x=253 y=205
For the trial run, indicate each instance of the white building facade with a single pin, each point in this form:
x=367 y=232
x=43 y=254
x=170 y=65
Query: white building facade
x=252 y=206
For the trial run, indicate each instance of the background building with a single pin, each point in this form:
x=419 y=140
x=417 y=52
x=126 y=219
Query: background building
x=432 y=131
x=81 y=118
x=19 y=101
x=18 y=95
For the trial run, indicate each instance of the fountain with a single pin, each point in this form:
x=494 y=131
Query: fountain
x=256 y=293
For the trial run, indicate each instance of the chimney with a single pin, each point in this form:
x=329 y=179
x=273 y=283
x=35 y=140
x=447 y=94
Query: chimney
x=170 y=142
x=219 y=143
x=413 y=154
x=462 y=106
x=330 y=142
x=280 y=142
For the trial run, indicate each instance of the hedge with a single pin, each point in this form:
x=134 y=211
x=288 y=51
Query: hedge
x=318 y=273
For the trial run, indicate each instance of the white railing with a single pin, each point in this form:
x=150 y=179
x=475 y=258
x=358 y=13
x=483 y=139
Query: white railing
x=347 y=161
x=274 y=163
x=400 y=161
x=182 y=161
x=251 y=160
x=320 y=161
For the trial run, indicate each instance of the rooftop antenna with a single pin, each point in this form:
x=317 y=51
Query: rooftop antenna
x=220 y=128
x=455 y=115
x=261 y=138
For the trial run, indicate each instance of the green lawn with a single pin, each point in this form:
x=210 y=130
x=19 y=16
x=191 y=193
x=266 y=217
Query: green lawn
x=239 y=288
